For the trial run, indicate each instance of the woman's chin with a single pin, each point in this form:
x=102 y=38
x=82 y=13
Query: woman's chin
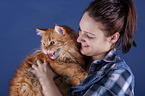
x=83 y=52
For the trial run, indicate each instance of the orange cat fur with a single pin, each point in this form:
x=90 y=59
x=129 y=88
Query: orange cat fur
x=60 y=49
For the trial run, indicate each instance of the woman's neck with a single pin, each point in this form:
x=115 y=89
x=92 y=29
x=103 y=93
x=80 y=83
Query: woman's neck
x=99 y=57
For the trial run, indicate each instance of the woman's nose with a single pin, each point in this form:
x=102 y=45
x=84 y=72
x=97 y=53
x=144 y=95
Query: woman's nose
x=80 y=39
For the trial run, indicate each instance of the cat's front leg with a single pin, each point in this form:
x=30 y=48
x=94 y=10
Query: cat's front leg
x=75 y=72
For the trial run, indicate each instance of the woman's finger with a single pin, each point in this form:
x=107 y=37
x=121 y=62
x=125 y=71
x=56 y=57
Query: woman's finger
x=34 y=67
x=33 y=71
x=40 y=65
x=45 y=65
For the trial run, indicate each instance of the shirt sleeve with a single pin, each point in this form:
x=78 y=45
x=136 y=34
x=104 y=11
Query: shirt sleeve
x=116 y=83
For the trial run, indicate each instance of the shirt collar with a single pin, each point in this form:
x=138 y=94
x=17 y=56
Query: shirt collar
x=110 y=57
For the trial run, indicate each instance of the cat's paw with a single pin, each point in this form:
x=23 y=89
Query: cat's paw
x=75 y=81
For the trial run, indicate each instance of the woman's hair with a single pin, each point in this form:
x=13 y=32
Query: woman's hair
x=116 y=16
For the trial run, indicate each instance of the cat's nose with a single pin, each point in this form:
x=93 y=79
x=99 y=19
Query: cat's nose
x=47 y=47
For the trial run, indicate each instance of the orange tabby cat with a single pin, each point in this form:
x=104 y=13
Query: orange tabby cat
x=58 y=48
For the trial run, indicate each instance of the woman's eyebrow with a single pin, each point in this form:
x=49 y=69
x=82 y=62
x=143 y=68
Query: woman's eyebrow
x=87 y=32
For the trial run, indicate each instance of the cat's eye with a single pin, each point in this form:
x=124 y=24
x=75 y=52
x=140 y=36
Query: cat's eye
x=52 y=43
x=43 y=43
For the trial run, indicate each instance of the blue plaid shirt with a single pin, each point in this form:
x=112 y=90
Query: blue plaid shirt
x=108 y=77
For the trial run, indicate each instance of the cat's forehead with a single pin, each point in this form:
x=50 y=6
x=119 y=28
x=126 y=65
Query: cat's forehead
x=49 y=35
x=49 y=31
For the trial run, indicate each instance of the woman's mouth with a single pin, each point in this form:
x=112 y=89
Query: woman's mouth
x=84 y=46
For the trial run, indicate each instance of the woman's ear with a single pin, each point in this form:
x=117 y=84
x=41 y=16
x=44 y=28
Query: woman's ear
x=114 y=37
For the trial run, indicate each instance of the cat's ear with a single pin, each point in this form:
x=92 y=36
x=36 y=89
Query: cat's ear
x=39 y=31
x=59 y=30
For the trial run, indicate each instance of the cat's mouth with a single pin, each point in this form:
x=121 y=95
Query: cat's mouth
x=55 y=54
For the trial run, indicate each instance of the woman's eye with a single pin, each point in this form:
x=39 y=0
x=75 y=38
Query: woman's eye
x=52 y=43
x=89 y=37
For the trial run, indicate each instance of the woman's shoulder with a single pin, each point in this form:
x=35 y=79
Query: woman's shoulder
x=120 y=67
x=121 y=64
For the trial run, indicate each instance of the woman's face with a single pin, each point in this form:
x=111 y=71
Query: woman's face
x=93 y=41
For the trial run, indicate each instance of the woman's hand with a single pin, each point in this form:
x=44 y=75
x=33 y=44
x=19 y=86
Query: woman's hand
x=46 y=75
x=43 y=71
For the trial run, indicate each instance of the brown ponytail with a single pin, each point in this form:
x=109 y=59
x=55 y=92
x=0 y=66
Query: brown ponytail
x=116 y=16
x=127 y=39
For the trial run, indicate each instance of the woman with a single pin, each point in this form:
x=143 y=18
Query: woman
x=106 y=26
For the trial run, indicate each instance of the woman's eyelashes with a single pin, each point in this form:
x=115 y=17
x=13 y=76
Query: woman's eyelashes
x=90 y=37
x=86 y=33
